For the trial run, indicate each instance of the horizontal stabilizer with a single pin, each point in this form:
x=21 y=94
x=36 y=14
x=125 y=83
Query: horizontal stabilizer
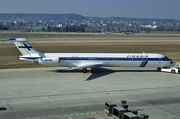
x=11 y=40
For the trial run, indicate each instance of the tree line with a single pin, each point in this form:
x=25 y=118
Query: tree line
x=65 y=29
x=3 y=27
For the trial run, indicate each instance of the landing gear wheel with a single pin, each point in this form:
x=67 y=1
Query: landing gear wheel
x=159 y=69
x=173 y=71
x=84 y=70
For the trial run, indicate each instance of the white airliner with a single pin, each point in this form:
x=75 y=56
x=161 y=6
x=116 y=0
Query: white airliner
x=90 y=60
x=106 y=32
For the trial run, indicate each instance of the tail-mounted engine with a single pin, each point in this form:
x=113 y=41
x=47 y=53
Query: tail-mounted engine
x=48 y=61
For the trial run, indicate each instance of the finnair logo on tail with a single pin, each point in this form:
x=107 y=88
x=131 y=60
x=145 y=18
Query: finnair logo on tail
x=25 y=46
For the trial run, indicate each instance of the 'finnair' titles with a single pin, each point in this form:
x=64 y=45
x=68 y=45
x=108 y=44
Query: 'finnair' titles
x=89 y=60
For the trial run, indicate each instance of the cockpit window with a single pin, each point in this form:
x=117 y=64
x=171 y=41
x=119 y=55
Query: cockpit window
x=12 y=39
x=165 y=58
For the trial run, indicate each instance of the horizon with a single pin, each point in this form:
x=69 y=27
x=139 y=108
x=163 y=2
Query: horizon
x=161 y=9
x=91 y=16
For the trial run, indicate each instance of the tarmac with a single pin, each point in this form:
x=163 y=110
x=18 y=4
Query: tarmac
x=51 y=93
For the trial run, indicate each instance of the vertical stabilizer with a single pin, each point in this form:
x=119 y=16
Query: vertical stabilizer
x=24 y=46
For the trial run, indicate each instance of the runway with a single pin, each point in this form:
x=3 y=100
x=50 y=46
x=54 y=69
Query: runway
x=50 y=93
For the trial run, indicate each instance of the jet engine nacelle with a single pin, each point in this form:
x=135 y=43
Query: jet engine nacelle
x=49 y=61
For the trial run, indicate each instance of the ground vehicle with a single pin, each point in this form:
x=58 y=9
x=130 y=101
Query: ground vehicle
x=122 y=112
x=118 y=112
x=109 y=106
x=174 y=70
x=130 y=115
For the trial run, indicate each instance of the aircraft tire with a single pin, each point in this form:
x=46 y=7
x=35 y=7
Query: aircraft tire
x=158 y=69
x=173 y=71
x=84 y=70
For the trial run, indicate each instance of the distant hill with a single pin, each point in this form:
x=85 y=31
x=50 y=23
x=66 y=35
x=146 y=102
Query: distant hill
x=71 y=17
x=8 y=16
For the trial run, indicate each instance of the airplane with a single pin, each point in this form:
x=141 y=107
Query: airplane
x=82 y=61
x=106 y=32
x=127 y=33
x=149 y=26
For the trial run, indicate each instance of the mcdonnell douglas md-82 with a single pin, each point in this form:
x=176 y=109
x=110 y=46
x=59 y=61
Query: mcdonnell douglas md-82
x=83 y=61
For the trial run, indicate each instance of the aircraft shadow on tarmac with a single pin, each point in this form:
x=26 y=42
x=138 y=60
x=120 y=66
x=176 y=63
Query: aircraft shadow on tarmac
x=100 y=72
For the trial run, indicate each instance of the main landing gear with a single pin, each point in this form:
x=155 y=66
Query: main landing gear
x=159 y=69
x=84 y=70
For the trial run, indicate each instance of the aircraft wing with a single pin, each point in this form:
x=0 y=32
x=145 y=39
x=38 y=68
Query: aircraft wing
x=89 y=65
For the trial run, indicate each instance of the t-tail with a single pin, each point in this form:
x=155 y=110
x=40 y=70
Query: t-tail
x=27 y=50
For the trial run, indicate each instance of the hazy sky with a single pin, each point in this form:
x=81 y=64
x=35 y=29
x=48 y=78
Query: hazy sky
x=99 y=8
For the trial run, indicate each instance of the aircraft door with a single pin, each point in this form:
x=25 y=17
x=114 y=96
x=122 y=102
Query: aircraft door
x=160 y=60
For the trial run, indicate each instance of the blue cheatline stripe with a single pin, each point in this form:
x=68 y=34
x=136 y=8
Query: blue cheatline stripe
x=107 y=58
x=104 y=58
x=143 y=63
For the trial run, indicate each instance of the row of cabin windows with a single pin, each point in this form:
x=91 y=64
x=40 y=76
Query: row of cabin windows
x=92 y=58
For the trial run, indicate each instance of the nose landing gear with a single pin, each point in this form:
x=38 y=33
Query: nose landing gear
x=84 y=70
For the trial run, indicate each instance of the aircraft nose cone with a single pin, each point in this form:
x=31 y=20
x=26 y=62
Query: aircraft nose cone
x=172 y=62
